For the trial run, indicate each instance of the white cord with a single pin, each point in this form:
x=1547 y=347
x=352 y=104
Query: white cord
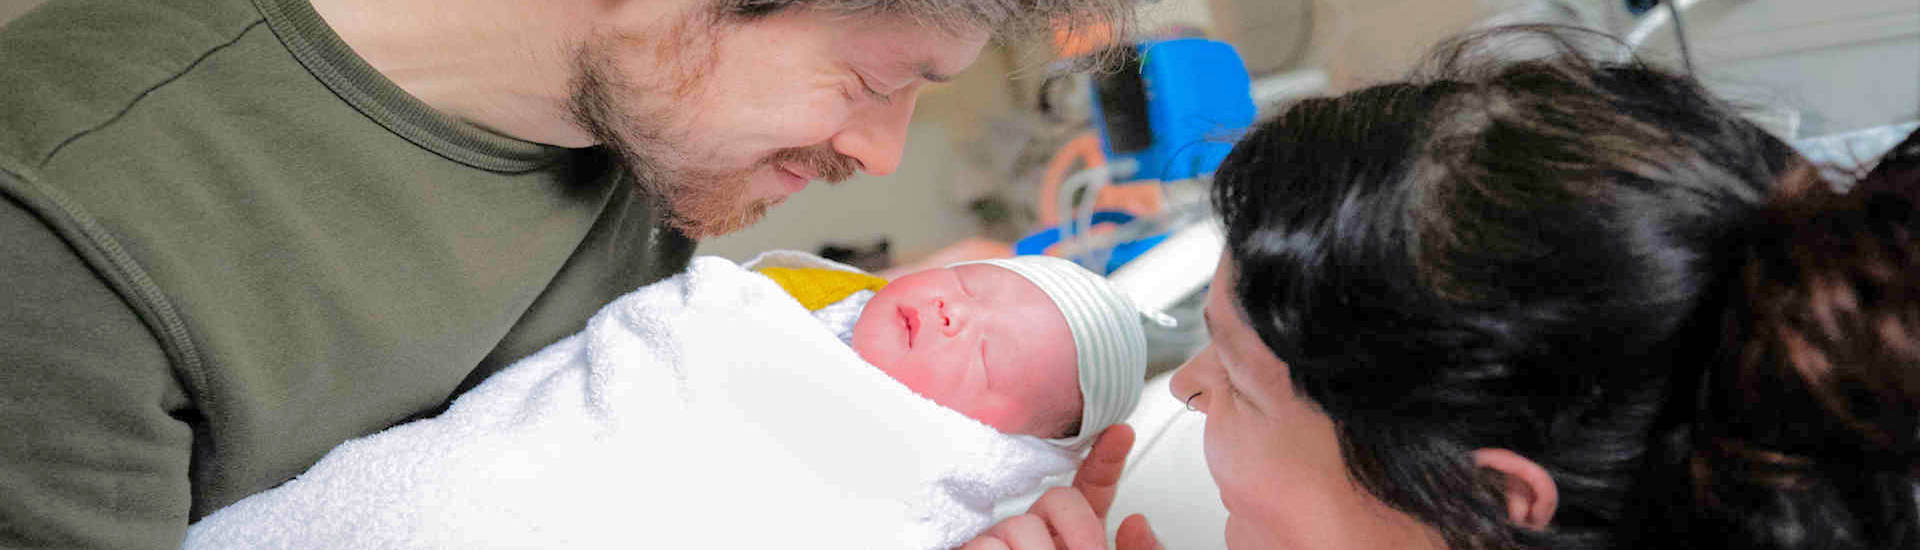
x=1091 y=258
x=1653 y=20
x=1077 y=219
x=1680 y=36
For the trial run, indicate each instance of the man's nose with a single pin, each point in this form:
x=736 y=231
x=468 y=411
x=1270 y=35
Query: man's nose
x=877 y=136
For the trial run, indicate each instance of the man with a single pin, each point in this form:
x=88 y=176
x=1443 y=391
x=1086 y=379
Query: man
x=235 y=233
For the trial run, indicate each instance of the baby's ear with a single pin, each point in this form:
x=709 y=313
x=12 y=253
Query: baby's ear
x=1064 y=427
x=1530 y=492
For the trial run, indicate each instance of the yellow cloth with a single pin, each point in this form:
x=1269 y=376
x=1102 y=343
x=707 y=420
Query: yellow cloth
x=817 y=287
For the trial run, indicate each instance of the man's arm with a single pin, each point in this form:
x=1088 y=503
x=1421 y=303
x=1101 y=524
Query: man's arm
x=94 y=450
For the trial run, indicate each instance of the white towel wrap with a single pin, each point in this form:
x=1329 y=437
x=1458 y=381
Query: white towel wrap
x=705 y=411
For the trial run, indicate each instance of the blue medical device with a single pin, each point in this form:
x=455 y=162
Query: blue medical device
x=1175 y=107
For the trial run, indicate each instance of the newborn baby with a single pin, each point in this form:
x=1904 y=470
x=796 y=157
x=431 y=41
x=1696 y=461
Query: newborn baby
x=1031 y=345
x=713 y=410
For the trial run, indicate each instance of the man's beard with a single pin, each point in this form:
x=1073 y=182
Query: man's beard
x=636 y=122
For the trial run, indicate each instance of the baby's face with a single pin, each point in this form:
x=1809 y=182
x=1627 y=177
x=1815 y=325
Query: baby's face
x=977 y=339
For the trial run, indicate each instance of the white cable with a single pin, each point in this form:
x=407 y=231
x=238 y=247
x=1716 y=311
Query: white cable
x=1077 y=219
x=1652 y=21
x=1090 y=257
x=1680 y=36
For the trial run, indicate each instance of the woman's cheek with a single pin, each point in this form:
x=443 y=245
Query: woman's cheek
x=1216 y=444
x=1247 y=486
x=1244 y=534
x=1229 y=474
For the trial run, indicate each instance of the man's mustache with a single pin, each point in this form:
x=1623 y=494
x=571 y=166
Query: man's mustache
x=820 y=160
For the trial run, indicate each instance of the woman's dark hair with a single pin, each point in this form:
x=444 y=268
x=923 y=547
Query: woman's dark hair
x=1804 y=432
x=1566 y=258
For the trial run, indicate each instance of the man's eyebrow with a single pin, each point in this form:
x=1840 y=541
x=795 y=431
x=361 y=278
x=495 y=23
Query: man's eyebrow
x=926 y=72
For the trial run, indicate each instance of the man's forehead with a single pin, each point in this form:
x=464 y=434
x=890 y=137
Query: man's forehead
x=911 y=49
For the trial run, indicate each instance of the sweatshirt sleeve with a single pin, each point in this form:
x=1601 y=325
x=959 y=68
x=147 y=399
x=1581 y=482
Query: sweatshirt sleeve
x=95 y=434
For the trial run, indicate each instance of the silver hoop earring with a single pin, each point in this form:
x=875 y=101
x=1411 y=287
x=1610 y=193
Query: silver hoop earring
x=1190 y=406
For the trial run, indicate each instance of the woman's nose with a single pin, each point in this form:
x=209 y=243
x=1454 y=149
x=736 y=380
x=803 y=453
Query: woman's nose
x=1185 y=385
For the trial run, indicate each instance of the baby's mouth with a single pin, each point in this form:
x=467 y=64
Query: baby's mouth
x=912 y=319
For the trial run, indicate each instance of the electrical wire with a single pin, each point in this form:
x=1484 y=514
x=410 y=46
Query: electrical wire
x=1652 y=21
x=1680 y=36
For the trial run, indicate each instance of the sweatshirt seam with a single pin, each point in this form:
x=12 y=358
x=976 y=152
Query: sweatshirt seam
x=317 y=47
x=121 y=272
x=48 y=158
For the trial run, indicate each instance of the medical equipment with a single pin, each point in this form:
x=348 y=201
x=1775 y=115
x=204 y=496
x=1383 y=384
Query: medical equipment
x=1168 y=114
x=1652 y=21
x=1174 y=107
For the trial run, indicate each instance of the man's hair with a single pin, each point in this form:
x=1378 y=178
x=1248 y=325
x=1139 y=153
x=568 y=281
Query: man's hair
x=1004 y=20
x=1585 y=261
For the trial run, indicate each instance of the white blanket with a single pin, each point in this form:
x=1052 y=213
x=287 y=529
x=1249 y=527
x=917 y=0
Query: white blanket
x=705 y=411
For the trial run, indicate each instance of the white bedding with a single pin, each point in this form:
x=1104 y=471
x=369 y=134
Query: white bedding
x=705 y=411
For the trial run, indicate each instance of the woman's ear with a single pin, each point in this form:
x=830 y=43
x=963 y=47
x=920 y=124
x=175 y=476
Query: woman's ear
x=1531 y=495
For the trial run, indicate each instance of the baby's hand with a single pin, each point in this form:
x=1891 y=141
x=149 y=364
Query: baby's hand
x=1074 y=518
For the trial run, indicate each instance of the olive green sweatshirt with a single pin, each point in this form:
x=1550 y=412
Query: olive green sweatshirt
x=227 y=245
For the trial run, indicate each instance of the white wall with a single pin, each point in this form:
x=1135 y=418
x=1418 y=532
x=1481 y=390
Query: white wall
x=1357 y=42
x=1842 y=65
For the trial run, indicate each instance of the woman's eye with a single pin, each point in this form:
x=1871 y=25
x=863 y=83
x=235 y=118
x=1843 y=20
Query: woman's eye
x=1226 y=381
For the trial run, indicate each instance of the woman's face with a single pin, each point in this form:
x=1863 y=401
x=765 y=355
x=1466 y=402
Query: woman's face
x=1273 y=453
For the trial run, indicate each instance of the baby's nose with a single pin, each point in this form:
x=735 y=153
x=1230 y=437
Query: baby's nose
x=952 y=316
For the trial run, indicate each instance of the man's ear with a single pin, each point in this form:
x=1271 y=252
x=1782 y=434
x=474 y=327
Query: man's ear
x=1531 y=495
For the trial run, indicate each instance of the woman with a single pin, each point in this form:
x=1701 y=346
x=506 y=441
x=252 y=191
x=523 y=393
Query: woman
x=1545 y=304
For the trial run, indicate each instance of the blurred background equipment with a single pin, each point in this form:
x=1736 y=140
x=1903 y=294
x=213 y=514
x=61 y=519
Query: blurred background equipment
x=1164 y=115
x=1174 y=107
